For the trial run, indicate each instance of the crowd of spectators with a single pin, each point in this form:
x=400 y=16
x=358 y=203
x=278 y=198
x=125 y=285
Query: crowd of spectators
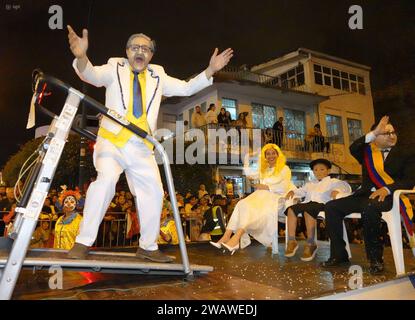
x=203 y=216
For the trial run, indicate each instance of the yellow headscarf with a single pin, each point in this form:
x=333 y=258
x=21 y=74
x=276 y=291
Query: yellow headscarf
x=279 y=165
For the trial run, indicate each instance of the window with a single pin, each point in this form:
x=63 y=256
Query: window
x=327 y=81
x=354 y=127
x=334 y=128
x=231 y=106
x=257 y=116
x=339 y=79
x=318 y=78
x=293 y=77
x=317 y=68
x=294 y=123
x=263 y=116
x=336 y=83
x=270 y=116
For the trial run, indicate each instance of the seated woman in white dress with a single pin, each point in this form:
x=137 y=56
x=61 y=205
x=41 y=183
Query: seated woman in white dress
x=257 y=214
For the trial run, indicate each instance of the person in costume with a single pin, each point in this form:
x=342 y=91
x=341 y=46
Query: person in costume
x=168 y=231
x=317 y=192
x=134 y=89
x=67 y=226
x=257 y=214
x=386 y=166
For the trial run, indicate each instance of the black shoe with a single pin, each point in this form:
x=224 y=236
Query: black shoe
x=155 y=256
x=376 y=267
x=333 y=263
x=78 y=251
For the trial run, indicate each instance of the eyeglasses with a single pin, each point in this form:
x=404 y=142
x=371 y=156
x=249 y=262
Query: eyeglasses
x=137 y=47
x=390 y=134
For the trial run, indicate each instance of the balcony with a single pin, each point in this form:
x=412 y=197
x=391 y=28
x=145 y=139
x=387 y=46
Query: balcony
x=235 y=139
x=230 y=73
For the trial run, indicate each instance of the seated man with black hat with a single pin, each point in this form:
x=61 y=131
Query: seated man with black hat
x=317 y=192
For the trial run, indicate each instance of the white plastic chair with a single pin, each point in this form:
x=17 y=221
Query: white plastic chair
x=392 y=219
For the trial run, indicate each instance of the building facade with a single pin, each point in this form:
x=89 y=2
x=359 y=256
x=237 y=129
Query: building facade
x=304 y=87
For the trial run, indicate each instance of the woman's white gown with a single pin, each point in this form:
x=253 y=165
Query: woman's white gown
x=258 y=213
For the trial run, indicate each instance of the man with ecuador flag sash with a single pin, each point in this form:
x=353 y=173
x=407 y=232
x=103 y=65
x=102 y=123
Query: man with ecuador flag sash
x=386 y=167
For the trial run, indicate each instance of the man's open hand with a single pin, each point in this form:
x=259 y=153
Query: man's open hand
x=78 y=45
x=381 y=127
x=218 y=61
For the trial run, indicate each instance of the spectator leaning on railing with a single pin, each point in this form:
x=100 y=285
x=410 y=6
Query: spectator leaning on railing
x=198 y=118
x=211 y=117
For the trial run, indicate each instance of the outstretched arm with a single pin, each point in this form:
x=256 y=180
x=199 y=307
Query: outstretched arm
x=96 y=75
x=176 y=87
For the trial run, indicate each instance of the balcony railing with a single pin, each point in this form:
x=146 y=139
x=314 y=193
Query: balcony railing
x=287 y=140
x=238 y=74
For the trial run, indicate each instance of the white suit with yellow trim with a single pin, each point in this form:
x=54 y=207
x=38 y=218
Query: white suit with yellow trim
x=135 y=158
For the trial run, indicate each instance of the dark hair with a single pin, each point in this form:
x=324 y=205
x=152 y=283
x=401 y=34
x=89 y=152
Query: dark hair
x=322 y=161
x=211 y=106
x=217 y=197
x=317 y=125
x=373 y=127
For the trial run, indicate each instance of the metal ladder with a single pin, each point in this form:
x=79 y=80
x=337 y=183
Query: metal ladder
x=41 y=175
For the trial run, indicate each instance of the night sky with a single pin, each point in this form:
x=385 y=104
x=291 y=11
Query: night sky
x=186 y=33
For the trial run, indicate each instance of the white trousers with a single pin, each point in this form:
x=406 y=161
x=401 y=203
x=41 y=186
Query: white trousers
x=143 y=178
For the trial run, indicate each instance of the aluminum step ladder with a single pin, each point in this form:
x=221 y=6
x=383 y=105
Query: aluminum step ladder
x=37 y=186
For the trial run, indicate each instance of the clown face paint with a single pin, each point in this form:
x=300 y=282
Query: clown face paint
x=69 y=204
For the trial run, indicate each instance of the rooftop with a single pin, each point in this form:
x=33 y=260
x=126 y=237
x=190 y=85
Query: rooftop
x=303 y=53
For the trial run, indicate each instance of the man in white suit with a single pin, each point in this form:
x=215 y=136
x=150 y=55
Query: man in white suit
x=133 y=89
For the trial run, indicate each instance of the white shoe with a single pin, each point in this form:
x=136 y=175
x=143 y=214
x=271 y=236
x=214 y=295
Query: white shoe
x=232 y=250
x=216 y=244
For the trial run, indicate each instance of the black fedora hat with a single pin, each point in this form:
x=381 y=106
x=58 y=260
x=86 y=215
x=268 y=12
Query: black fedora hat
x=326 y=162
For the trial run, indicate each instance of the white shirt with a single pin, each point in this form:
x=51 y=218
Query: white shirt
x=320 y=191
x=211 y=117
